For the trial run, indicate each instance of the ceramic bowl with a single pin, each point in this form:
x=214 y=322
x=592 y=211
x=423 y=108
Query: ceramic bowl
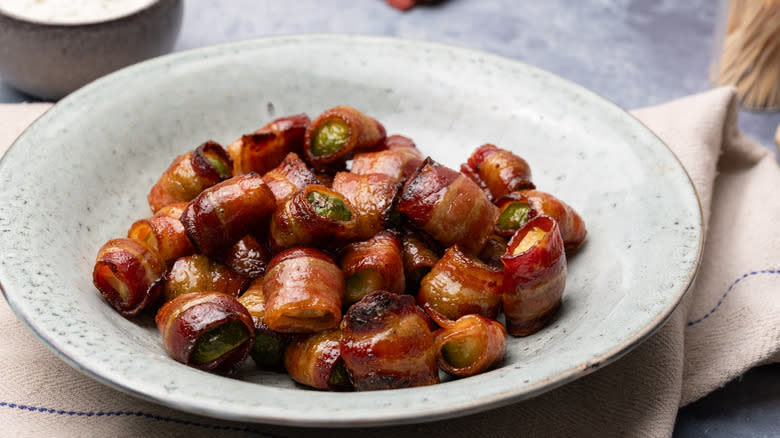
x=51 y=60
x=80 y=174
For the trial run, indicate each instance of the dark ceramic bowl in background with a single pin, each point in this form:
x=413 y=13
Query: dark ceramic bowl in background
x=51 y=60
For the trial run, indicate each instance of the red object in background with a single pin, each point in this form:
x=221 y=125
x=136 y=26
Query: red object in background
x=405 y=4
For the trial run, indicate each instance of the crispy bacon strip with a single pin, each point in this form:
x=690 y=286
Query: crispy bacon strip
x=336 y=134
x=398 y=159
x=128 y=275
x=449 y=206
x=386 y=343
x=173 y=210
x=518 y=207
x=265 y=148
x=206 y=330
x=253 y=299
x=491 y=253
x=303 y=289
x=460 y=284
x=290 y=176
x=468 y=346
x=499 y=170
x=325 y=176
x=248 y=257
x=420 y=256
x=268 y=348
x=374 y=197
x=534 y=276
x=397 y=141
x=315 y=216
x=374 y=264
x=198 y=273
x=221 y=215
x=316 y=361
x=164 y=234
x=191 y=173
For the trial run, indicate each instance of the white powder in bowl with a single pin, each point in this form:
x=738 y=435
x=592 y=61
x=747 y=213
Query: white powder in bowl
x=71 y=11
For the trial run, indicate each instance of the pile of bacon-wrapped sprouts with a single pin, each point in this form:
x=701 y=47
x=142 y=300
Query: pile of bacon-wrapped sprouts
x=342 y=255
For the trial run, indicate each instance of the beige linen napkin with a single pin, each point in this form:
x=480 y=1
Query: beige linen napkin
x=728 y=322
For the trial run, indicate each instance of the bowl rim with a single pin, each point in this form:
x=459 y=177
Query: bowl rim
x=497 y=400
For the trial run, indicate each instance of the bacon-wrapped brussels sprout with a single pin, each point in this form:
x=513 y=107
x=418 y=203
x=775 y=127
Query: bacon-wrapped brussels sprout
x=191 y=173
x=494 y=248
x=397 y=141
x=374 y=264
x=519 y=207
x=128 y=275
x=470 y=345
x=387 y=343
x=210 y=331
x=374 y=197
x=253 y=299
x=534 y=276
x=303 y=290
x=498 y=170
x=259 y=248
x=248 y=257
x=265 y=148
x=268 y=349
x=449 y=206
x=290 y=176
x=164 y=234
x=315 y=361
x=173 y=210
x=460 y=284
x=420 y=256
x=339 y=132
x=221 y=215
x=198 y=273
x=315 y=216
x=399 y=159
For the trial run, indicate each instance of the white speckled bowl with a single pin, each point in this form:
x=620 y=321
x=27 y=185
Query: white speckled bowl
x=51 y=60
x=80 y=174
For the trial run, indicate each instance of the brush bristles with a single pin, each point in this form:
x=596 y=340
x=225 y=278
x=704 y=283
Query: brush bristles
x=777 y=137
x=751 y=53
